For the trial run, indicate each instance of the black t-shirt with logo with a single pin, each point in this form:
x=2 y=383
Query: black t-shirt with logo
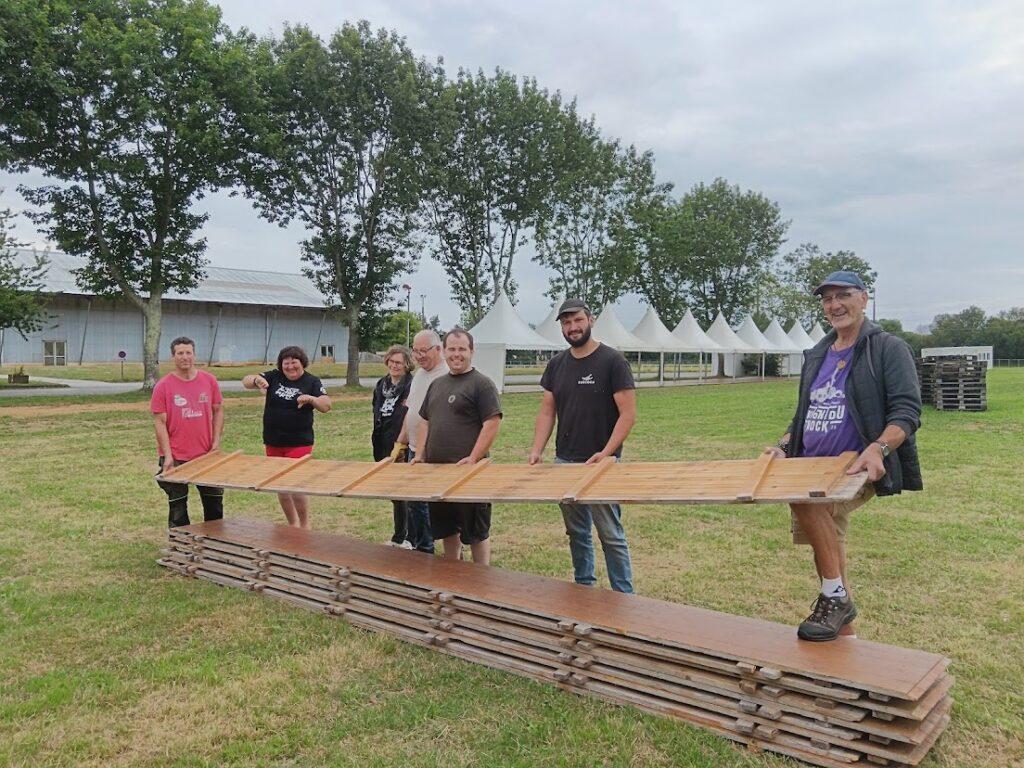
x=456 y=408
x=584 y=402
x=286 y=425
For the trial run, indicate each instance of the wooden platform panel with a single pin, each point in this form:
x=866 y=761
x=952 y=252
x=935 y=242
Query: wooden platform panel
x=888 y=670
x=757 y=480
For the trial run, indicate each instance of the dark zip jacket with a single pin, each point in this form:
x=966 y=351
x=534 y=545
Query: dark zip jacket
x=881 y=389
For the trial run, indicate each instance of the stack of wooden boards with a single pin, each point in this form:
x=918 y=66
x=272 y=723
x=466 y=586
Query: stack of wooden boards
x=845 y=703
x=953 y=383
x=758 y=480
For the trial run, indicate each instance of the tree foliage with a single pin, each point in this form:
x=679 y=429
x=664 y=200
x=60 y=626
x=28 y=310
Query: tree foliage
x=709 y=252
x=586 y=237
x=124 y=104
x=340 y=144
x=22 y=305
x=498 y=154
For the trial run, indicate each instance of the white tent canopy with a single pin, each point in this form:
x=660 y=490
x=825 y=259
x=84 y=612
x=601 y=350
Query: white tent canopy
x=777 y=337
x=720 y=333
x=749 y=333
x=609 y=330
x=503 y=325
x=693 y=337
x=799 y=336
x=551 y=329
x=817 y=333
x=652 y=331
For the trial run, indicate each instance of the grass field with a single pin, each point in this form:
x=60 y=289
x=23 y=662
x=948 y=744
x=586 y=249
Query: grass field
x=106 y=659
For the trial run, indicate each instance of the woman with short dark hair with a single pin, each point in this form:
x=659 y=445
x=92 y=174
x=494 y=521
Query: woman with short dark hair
x=292 y=396
x=389 y=396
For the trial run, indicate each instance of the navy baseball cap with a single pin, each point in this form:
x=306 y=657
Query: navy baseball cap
x=844 y=278
x=573 y=305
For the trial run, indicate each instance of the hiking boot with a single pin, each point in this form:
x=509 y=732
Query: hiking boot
x=830 y=614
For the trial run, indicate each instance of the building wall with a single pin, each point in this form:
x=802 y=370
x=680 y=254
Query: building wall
x=114 y=325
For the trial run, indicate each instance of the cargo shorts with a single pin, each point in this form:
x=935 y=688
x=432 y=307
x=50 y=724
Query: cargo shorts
x=840 y=516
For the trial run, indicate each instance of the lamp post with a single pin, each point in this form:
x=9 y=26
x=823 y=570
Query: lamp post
x=408 y=314
x=423 y=311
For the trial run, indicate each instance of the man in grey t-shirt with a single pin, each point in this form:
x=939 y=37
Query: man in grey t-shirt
x=461 y=416
x=426 y=351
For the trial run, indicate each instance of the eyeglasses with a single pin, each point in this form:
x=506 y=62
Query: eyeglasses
x=837 y=296
x=416 y=351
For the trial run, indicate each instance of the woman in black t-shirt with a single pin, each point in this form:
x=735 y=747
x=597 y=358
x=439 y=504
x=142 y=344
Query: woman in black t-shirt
x=389 y=409
x=292 y=395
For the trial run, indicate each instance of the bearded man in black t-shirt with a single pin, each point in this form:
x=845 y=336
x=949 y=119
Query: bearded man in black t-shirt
x=589 y=390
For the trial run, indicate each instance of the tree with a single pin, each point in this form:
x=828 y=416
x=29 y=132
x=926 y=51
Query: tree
x=22 y=306
x=340 y=144
x=124 y=104
x=966 y=328
x=710 y=252
x=495 y=167
x=586 y=236
x=801 y=271
x=392 y=329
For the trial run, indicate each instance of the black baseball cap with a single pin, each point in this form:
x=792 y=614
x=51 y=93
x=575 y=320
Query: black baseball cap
x=843 y=278
x=573 y=305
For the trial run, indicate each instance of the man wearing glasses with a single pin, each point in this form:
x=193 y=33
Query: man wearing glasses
x=426 y=351
x=858 y=391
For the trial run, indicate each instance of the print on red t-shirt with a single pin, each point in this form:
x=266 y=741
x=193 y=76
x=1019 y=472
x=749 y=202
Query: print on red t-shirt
x=189 y=409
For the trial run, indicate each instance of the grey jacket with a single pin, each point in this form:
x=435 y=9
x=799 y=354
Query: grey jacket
x=881 y=389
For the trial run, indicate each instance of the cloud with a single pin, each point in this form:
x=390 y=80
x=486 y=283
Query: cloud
x=892 y=129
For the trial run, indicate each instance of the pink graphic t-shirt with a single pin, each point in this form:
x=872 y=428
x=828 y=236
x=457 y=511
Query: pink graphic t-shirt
x=189 y=409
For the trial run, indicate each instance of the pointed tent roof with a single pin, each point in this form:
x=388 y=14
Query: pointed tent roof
x=609 y=330
x=503 y=325
x=550 y=328
x=749 y=333
x=799 y=336
x=693 y=337
x=720 y=333
x=654 y=332
x=817 y=333
x=777 y=337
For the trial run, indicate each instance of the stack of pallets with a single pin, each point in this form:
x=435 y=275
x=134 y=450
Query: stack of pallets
x=926 y=378
x=845 y=703
x=956 y=383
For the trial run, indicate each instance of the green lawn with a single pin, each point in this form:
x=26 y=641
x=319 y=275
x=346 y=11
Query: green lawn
x=109 y=660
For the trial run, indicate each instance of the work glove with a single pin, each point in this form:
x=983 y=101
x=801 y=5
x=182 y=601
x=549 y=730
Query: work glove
x=399 y=452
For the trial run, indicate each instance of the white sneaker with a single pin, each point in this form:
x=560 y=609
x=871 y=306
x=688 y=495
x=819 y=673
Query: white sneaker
x=406 y=545
x=403 y=545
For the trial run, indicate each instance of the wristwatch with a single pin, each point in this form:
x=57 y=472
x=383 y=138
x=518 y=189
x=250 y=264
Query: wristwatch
x=885 y=448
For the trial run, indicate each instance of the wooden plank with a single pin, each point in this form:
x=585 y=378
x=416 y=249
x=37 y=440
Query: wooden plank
x=589 y=479
x=756 y=476
x=189 y=467
x=893 y=671
x=367 y=474
x=190 y=477
x=471 y=471
x=282 y=472
x=842 y=462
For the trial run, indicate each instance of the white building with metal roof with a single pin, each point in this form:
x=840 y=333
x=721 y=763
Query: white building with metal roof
x=234 y=315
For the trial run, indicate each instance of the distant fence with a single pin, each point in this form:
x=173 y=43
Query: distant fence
x=1008 y=363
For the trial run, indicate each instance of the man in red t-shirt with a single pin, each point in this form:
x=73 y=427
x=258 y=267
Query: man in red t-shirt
x=189 y=420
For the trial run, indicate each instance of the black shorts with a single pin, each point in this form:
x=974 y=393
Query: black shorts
x=471 y=521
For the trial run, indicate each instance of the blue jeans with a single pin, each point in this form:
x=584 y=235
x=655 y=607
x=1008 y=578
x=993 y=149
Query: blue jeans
x=418 y=523
x=607 y=518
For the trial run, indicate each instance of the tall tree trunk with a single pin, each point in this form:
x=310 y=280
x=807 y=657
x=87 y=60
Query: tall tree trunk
x=152 y=317
x=352 y=371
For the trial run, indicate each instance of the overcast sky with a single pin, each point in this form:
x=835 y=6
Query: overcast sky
x=892 y=129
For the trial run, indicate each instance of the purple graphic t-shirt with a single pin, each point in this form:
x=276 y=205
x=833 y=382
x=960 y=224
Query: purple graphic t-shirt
x=828 y=428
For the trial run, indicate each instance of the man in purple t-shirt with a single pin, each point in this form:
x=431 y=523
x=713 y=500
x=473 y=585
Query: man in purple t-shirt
x=858 y=392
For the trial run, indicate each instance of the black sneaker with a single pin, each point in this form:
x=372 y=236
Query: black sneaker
x=830 y=614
